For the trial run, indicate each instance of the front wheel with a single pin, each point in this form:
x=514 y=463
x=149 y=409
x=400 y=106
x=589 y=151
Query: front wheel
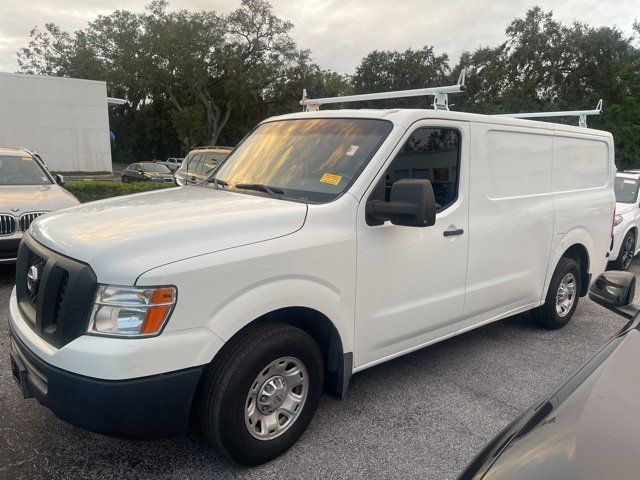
x=260 y=396
x=562 y=296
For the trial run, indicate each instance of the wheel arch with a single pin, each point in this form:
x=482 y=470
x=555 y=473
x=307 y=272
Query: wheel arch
x=338 y=365
x=580 y=254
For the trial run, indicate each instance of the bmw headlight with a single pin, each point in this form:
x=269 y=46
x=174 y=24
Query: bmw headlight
x=617 y=220
x=131 y=311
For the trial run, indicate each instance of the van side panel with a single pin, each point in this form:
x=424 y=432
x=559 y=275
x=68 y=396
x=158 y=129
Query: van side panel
x=511 y=219
x=583 y=172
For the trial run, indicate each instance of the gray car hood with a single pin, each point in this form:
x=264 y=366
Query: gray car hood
x=590 y=433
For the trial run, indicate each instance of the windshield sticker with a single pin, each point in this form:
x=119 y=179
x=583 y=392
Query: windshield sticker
x=629 y=181
x=331 y=179
x=26 y=159
x=352 y=150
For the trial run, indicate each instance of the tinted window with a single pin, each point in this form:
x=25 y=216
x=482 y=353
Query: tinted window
x=432 y=154
x=211 y=161
x=134 y=166
x=22 y=170
x=626 y=190
x=309 y=160
x=194 y=162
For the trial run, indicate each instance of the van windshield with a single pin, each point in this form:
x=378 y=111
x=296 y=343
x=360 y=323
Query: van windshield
x=312 y=160
x=21 y=170
x=626 y=190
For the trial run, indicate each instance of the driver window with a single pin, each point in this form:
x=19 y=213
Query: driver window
x=429 y=153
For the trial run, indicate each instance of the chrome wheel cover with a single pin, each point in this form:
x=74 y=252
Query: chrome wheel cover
x=276 y=398
x=566 y=295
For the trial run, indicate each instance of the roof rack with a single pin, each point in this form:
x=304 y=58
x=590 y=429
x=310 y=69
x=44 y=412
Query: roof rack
x=440 y=100
x=581 y=114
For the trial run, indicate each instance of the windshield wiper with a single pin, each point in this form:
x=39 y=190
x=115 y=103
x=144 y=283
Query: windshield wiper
x=217 y=182
x=273 y=191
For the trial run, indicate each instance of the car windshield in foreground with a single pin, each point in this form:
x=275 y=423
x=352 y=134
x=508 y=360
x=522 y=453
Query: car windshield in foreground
x=626 y=190
x=21 y=170
x=312 y=160
x=155 y=167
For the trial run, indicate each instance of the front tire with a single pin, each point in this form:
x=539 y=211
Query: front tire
x=562 y=296
x=626 y=254
x=258 y=398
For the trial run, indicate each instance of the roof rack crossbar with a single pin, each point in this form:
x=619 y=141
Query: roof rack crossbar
x=440 y=101
x=581 y=114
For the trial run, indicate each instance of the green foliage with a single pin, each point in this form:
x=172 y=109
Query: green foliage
x=382 y=71
x=90 y=191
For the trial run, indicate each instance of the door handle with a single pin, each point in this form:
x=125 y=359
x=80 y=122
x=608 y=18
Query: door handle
x=451 y=233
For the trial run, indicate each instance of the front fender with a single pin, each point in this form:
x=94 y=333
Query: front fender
x=261 y=298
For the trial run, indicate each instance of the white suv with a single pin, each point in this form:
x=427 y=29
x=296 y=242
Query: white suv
x=627 y=220
x=325 y=243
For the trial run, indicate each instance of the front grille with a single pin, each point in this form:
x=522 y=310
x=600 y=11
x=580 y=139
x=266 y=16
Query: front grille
x=7 y=224
x=57 y=305
x=27 y=218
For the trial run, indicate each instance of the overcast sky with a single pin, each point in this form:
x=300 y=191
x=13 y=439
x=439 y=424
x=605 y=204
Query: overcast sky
x=338 y=32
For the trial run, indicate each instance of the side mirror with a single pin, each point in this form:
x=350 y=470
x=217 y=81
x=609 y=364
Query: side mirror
x=60 y=180
x=412 y=204
x=615 y=290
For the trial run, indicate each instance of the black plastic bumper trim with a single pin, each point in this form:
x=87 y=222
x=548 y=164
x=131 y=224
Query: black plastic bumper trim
x=156 y=406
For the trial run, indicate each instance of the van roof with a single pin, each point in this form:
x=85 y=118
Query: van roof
x=408 y=116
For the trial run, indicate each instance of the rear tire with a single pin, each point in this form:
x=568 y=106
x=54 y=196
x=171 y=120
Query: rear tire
x=248 y=405
x=626 y=254
x=562 y=296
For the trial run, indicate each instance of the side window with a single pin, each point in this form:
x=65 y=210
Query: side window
x=432 y=154
x=195 y=163
x=133 y=167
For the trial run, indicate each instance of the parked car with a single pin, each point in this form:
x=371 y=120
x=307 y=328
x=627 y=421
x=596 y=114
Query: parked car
x=146 y=172
x=588 y=428
x=335 y=241
x=27 y=190
x=199 y=164
x=173 y=164
x=627 y=220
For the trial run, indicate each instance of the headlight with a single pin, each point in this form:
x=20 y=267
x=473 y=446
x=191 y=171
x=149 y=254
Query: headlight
x=131 y=311
x=617 y=220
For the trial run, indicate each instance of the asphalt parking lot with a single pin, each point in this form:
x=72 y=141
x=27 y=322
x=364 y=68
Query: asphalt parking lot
x=421 y=416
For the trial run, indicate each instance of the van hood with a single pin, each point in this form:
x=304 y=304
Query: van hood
x=123 y=237
x=34 y=198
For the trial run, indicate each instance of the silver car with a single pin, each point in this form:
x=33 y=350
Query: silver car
x=27 y=190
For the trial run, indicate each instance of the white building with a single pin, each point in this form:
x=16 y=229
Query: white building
x=65 y=120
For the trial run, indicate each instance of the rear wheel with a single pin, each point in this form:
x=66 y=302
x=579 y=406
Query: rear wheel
x=627 y=252
x=260 y=396
x=562 y=296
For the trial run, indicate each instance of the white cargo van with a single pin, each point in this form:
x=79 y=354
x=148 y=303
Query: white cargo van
x=326 y=243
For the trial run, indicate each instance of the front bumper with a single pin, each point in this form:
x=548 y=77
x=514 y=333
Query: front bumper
x=156 y=406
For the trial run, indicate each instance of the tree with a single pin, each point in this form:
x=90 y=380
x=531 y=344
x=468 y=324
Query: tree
x=546 y=65
x=391 y=70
